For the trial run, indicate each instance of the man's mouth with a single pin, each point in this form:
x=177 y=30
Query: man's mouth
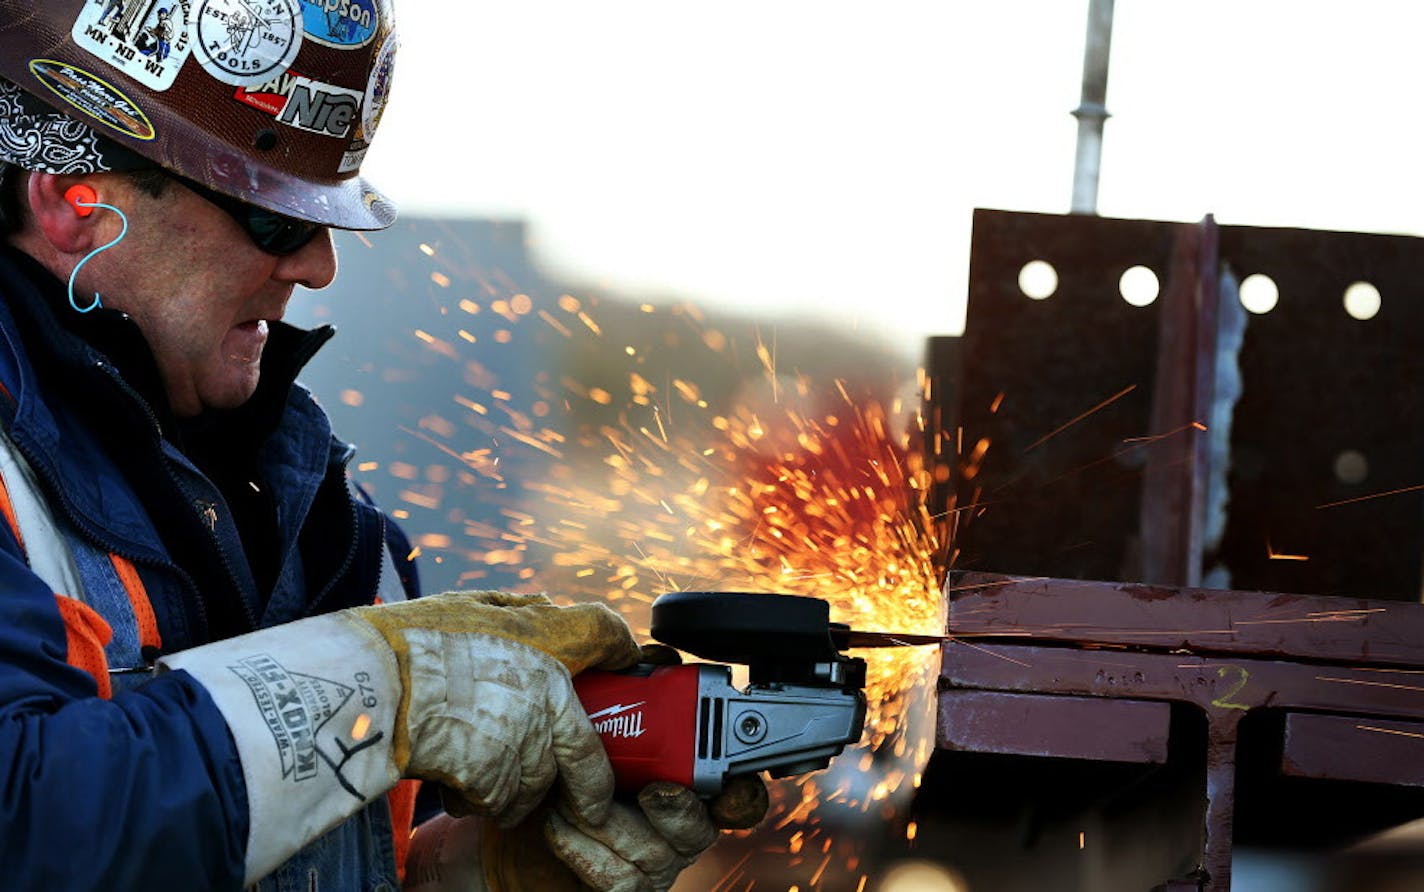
x=244 y=342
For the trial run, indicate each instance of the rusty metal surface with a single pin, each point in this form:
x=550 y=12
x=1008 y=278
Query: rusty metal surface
x=1175 y=480
x=1067 y=505
x=1064 y=727
x=1317 y=383
x=1203 y=621
x=1222 y=688
x=1349 y=663
x=1067 y=500
x=1353 y=748
x=1184 y=444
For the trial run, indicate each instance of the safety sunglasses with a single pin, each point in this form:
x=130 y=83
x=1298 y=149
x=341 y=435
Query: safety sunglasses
x=275 y=233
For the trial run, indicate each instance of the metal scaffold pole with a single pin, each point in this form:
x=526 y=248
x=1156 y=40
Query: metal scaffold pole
x=1092 y=110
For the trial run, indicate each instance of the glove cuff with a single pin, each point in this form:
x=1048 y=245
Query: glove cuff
x=312 y=708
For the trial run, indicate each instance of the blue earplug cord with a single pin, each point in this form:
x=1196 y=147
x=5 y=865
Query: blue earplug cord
x=94 y=253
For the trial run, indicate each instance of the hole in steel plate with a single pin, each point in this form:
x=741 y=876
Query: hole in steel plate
x=1038 y=279
x=1139 y=286
x=1351 y=466
x=1259 y=293
x=1362 y=301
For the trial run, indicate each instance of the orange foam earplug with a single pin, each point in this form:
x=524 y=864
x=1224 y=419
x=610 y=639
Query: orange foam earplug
x=81 y=196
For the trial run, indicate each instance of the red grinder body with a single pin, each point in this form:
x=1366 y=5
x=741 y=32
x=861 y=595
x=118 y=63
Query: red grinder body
x=689 y=725
x=647 y=721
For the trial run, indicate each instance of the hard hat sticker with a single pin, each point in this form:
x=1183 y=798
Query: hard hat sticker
x=345 y=24
x=145 y=39
x=373 y=104
x=94 y=96
x=246 y=42
x=306 y=104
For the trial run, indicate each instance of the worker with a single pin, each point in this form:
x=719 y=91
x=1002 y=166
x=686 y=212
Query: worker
x=195 y=689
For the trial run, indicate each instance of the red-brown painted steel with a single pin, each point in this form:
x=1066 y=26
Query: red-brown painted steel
x=1065 y=727
x=1225 y=653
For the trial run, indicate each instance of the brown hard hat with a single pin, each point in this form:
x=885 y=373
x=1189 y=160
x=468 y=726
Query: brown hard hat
x=270 y=101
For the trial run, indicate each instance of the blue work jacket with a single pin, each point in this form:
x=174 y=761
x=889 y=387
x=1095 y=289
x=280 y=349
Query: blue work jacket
x=145 y=790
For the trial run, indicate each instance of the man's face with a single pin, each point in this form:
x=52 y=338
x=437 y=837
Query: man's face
x=200 y=290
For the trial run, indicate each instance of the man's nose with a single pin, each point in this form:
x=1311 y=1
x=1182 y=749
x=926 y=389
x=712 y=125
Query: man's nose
x=314 y=266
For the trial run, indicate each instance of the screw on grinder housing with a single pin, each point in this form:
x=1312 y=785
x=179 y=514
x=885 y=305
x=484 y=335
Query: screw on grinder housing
x=688 y=724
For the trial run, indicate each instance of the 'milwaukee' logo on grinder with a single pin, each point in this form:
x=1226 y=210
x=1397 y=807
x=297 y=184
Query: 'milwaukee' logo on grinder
x=619 y=720
x=306 y=104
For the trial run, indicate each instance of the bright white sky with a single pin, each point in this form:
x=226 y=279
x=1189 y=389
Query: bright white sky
x=824 y=156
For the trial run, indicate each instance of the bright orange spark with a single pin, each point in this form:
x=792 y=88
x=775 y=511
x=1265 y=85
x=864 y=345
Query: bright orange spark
x=1063 y=427
x=1391 y=731
x=1155 y=438
x=362 y=725
x=1378 y=495
x=1372 y=684
x=1274 y=555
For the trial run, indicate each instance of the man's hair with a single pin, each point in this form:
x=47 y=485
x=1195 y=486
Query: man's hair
x=151 y=181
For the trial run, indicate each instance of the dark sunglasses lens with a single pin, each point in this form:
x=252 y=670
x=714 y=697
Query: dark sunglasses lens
x=272 y=232
x=277 y=234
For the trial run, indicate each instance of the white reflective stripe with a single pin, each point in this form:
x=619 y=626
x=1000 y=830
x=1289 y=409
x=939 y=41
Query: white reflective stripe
x=45 y=546
x=390 y=591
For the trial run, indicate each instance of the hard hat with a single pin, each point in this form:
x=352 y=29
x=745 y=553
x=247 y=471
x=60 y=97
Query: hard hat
x=273 y=102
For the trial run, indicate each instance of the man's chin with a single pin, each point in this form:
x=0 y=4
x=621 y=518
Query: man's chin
x=234 y=388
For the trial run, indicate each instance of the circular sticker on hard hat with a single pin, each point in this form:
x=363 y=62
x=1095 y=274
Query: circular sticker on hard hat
x=147 y=41
x=378 y=85
x=373 y=104
x=94 y=96
x=246 y=42
x=344 y=24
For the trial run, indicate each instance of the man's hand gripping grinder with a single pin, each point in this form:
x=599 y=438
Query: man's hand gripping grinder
x=804 y=702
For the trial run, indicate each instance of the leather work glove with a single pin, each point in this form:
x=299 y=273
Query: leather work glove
x=471 y=690
x=744 y=800
x=639 y=848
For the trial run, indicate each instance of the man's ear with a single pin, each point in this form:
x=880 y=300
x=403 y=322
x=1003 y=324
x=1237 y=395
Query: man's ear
x=57 y=207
